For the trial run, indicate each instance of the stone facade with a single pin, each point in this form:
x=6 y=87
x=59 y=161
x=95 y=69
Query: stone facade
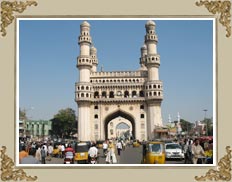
x=102 y=97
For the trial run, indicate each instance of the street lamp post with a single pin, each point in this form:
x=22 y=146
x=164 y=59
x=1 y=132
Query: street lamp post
x=206 y=123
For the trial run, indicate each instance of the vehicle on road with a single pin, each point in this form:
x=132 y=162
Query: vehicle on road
x=81 y=152
x=174 y=151
x=56 y=152
x=153 y=153
x=69 y=158
x=136 y=143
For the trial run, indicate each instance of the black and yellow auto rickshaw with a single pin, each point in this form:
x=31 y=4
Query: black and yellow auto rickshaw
x=81 y=152
x=153 y=153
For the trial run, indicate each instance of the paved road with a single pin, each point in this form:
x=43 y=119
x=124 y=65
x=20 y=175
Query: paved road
x=129 y=156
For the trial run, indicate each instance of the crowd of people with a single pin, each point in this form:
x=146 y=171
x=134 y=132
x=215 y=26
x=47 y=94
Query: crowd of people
x=196 y=151
x=39 y=152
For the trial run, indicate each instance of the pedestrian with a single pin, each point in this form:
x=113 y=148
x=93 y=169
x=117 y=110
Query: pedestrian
x=187 y=151
x=38 y=153
x=105 y=147
x=30 y=159
x=50 y=150
x=123 y=145
x=22 y=153
x=110 y=157
x=93 y=152
x=119 y=147
x=62 y=150
x=46 y=149
x=197 y=152
x=43 y=155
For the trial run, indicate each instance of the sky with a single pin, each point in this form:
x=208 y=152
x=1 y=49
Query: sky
x=47 y=62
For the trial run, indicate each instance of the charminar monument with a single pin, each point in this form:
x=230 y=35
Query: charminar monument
x=113 y=103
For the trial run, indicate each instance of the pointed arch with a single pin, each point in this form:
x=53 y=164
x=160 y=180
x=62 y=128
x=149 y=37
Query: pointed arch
x=114 y=115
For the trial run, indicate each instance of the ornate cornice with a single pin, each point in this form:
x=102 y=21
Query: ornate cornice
x=7 y=169
x=221 y=7
x=223 y=171
x=7 y=9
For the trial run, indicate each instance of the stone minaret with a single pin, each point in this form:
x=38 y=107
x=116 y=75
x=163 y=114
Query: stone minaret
x=84 y=87
x=93 y=54
x=153 y=86
x=143 y=57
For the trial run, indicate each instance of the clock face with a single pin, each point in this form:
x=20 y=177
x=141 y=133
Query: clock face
x=119 y=93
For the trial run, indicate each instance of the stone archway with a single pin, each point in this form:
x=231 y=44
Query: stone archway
x=116 y=114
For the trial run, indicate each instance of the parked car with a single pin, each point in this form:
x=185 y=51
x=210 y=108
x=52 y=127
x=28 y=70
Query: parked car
x=173 y=151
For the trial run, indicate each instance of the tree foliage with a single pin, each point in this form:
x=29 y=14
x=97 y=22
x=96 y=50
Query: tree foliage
x=209 y=126
x=64 y=123
x=186 y=125
x=22 y=114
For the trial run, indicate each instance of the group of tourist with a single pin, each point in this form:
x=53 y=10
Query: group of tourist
x=38 y=153
x=197 y=151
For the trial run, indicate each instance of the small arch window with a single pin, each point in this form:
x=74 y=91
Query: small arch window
x=96 y=94
x=126 y=94
x=141 y=115
x=82 y=88
x=87 y=95
x=104 y=94
x=154 y=86
x=96 y=116
x=82 y=95
x=158 y=86
x=141 y=93
x=96 y=107
x=111 y=94
x=134 y=94
x=141 y=106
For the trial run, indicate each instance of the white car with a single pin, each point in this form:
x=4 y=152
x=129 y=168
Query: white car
x=173 y=151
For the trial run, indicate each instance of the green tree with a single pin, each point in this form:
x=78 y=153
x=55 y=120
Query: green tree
x=22 y=114
x=64 y=123
x=185 y=125
x=209 y=126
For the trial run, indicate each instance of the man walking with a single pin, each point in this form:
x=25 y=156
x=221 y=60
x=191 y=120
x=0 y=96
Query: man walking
x=119 y=147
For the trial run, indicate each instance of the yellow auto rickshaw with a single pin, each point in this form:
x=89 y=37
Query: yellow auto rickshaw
x=81 y=152
x=136 y=143
x=153 y=153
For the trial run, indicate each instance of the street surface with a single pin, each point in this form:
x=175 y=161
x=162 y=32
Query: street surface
x=130 y=155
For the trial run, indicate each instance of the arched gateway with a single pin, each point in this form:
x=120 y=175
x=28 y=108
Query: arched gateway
x=111 y=124
x=107 y=101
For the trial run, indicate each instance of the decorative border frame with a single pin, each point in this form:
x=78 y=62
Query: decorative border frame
x=7 y=12
x=8 y=171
